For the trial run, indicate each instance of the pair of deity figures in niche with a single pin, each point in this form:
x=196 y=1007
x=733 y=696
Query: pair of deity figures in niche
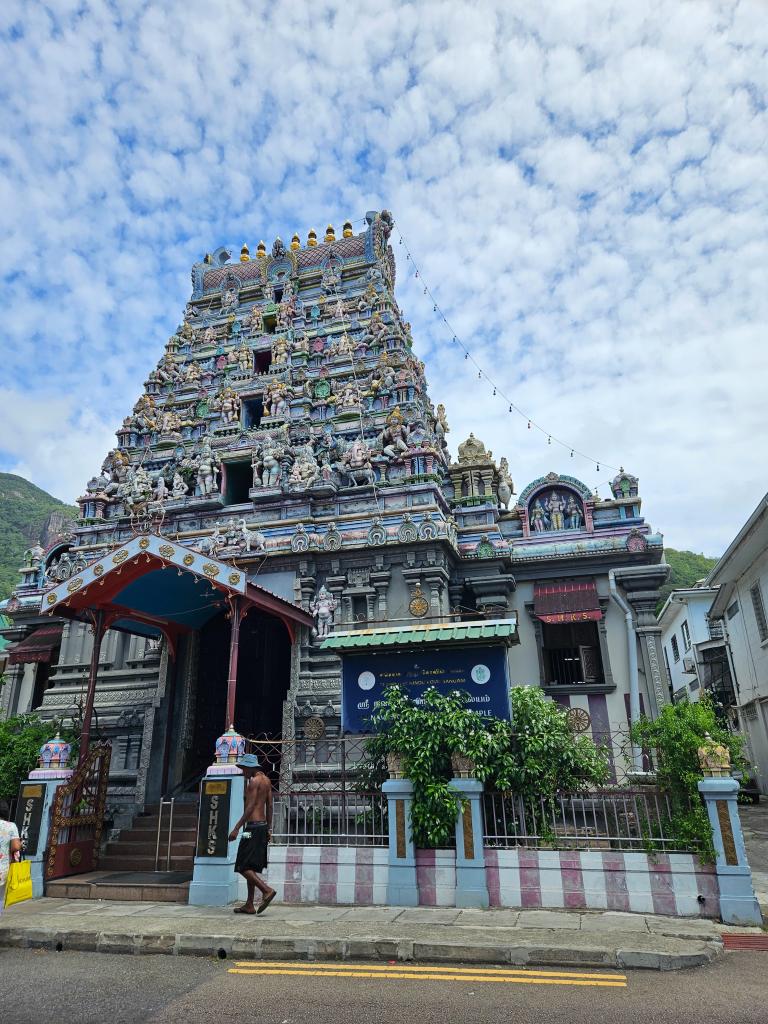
x=556 y=511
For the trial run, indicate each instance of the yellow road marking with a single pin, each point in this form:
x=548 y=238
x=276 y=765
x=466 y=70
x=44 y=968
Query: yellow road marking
x=420 y=969
x=400 y=975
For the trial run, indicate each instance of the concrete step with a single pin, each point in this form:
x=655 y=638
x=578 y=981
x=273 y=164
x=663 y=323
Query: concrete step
x=152 y=887
x=123 y=849
x=184 y=833
x=120 y=861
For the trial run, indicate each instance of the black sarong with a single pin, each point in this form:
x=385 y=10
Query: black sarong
x=252 y=851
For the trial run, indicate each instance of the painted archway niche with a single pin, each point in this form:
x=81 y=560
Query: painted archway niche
x=556 y=504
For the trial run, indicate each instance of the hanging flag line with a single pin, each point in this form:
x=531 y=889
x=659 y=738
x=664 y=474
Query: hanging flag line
x=482 y=375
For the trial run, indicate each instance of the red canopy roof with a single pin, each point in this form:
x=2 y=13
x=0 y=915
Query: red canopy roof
x=38 y=646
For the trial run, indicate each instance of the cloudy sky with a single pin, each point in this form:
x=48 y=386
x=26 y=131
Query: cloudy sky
x=582 y=183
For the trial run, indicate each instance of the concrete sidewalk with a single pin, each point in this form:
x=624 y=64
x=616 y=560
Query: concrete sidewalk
x=432 y=934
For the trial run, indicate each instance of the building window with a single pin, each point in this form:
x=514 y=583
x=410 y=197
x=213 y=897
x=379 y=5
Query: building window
x=686 y=636
x=757 y=603
x=571 y=654
x=732 y=609
x=675 y=649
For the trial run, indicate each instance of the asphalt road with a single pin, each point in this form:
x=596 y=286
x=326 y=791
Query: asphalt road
x=81 y=988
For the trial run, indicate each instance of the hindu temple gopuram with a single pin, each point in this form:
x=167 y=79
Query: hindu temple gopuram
x=282 y=496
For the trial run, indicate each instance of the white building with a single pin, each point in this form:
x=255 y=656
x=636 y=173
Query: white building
x=741 y=604
x=695 y=647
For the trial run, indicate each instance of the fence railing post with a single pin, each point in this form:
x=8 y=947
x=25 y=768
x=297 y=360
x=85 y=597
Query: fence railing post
x=471 y=882
x=738 y=904
x=402 y=888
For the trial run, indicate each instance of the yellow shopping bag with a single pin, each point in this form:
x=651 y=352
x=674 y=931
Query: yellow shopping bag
x=18 y=884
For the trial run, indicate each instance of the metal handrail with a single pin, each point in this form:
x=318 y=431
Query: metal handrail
x=164 y=803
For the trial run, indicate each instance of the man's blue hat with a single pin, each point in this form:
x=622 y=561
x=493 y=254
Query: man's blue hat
x=248 y=761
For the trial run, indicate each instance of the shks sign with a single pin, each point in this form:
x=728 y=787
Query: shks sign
x=480 y=672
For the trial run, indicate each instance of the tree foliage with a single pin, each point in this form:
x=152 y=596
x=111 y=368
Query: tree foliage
x=686 y=568
x=536 y=756
x=25 y=512
x=20 y=740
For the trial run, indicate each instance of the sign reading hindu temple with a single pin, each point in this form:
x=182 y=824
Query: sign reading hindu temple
x=29 y=815
x=480 y=672
x=213 y=825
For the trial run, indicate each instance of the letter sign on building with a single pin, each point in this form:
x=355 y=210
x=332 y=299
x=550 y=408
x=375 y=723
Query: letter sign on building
x=213 y=826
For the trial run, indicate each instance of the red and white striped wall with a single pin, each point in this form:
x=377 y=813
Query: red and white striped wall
x=667 y=883
x=355 y=875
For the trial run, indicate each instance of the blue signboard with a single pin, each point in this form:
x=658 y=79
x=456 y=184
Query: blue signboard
x=480 y=672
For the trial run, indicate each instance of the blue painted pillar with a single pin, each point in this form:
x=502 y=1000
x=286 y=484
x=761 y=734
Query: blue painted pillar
x=214 y=882
x=36 y=797
x=737 y=897
x=402 y=890
x=471 y=884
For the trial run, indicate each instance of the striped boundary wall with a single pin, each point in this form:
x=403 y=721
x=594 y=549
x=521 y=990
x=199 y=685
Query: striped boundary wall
x=668 y=884
x=353 y=875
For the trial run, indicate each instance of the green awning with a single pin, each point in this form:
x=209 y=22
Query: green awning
x=489 y=631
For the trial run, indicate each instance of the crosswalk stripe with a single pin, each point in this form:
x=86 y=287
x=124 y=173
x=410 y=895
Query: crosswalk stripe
x=400 y=975
x=420 y=969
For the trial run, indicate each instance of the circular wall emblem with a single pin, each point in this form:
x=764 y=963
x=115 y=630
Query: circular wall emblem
x=75 y=856
x=366 y=680
x=480 y=674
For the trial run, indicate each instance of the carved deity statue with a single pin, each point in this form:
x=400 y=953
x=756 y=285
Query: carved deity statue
x=208 y=467
x=267 y=470
x=573 y=514
x=323 y=606
x=178 y=488
x=160 y=491
x=357 y=463
x=441 y=425
x=538 y=517
x=256 y=320
x=280 y=351
x=244 y=358
x=394 y=437
x=506 y=487
x=229 y=403
x=556 y=509
x=305 y=470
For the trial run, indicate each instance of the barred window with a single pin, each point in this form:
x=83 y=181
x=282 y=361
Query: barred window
x=759 y=608
x=675 y=649
x=686 y=636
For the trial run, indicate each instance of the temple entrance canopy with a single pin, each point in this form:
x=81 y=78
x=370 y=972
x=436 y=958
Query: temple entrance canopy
x=152 y=587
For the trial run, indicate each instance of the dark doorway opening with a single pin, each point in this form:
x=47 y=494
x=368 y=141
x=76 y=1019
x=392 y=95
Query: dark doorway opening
x=239 y=482
x=263 y=678
x=263 y=361
x=253 y=410
x=571 y=654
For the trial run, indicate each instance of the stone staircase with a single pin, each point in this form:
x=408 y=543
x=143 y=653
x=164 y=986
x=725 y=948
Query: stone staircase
x=127 y=865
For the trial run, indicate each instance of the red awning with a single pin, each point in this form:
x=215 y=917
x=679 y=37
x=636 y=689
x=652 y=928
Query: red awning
x=39 y=646
x=566 y=602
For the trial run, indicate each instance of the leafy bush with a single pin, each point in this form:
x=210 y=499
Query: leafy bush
x=20 y=740
x=536 y=756
x=676 y=735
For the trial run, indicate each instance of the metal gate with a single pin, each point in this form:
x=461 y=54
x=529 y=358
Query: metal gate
x=77 y=817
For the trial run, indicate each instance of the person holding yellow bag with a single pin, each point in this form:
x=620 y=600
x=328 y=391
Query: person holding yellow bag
x=10 y=847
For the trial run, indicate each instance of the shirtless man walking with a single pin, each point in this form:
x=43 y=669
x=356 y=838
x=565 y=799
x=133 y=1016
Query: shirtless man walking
x=252 y=851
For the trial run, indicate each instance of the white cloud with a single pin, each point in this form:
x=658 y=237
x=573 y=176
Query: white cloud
x=582 y=183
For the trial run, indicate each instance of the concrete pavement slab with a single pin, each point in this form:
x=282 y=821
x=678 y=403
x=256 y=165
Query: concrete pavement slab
x=613 y=920
x=429 y=915
x=549 y=919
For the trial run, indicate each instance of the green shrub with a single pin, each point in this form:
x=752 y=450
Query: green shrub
x=676 y=735
x=536 y=756
x=20 y=740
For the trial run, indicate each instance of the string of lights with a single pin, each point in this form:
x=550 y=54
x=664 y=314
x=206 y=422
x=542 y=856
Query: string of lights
x=482 y=374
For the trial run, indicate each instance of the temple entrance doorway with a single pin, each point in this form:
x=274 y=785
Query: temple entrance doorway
x=263 y=679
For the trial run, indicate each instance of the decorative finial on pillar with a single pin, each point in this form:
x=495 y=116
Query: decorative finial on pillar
x=347 y=229
x=230 y=747
x=261 y=250
x=245 y=254
x=330 y=233
x=714 y=758
x=295 y=241
x=312 y=237
x=54 y=757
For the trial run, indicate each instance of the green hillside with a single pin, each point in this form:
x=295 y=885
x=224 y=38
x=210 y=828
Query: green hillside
x=687 y=568
x=28 y=515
